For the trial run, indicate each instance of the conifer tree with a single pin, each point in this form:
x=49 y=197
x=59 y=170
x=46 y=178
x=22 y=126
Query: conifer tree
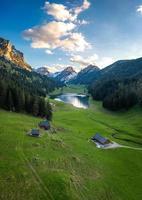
x=10 y=103
x=35 y=108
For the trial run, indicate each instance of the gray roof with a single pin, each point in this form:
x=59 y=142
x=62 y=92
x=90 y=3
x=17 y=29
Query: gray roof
x=100 y=138
x=35 y=132
x=44 y=123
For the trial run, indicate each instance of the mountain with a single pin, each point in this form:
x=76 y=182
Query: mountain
x=86 y=75
x=8 y=51
x=21 y=88
x=65 y=75
x=43 y=71
x=122 y=69
x=30 y=81
x=119 y=85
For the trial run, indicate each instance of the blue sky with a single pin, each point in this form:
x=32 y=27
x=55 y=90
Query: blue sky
x=88 y=31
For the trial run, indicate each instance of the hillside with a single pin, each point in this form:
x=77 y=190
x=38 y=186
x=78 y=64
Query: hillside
x=29 y=80
x=119 y=85
x=22 y=90
x=122 y=69
x=66 y=165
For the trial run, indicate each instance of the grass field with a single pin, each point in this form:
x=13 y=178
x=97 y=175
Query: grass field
x=66 y=165
x=70 y=89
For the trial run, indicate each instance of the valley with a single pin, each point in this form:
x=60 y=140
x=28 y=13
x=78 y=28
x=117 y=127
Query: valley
x=66 y=164
x=70 y=100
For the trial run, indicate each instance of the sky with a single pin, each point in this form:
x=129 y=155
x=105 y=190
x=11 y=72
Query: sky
x=57 y=33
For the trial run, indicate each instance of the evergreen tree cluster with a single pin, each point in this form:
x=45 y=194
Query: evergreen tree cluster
x=118 y=94
x=13 y=98
x=24 y=91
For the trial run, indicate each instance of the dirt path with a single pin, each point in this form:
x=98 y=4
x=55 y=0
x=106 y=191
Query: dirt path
x=128 y=147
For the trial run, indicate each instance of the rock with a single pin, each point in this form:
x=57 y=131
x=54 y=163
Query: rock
x=9 y=51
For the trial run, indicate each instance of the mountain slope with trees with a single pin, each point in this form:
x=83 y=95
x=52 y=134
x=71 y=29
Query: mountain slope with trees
x=119 y=85
x=24 y=91
x=86 y=75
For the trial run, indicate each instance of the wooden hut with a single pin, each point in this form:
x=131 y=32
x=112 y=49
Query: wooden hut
x=45 y=125
x=34 y=133
x=101 y=140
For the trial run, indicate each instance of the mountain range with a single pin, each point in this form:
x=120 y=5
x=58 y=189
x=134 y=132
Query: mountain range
x=118 y=85
x=118 y=70
x=70 y=76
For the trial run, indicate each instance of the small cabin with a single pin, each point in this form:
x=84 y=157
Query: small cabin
x=100 y=139
x=34 y=133
x=45 y=125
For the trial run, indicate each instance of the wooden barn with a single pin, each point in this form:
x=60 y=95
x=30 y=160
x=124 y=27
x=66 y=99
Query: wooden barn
x=101 y=140
x=45 y=125
x=34 y=133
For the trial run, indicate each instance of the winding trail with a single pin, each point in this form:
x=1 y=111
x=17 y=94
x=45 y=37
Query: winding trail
x=128 y=147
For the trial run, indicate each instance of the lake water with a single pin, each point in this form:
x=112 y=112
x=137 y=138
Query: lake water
x=77 y=100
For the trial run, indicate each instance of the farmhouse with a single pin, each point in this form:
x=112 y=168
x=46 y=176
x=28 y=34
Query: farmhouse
x=100 y=140
x=34 y=133
x=45 y=125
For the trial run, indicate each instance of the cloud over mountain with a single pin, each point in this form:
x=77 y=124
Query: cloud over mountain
x=92 y=60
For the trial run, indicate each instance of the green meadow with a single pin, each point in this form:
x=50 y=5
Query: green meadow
x=80 y=89
x=63 y=164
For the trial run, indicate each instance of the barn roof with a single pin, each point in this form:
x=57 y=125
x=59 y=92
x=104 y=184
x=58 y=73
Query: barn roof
x=44 y=123
x=100 y=138
x=35 y=132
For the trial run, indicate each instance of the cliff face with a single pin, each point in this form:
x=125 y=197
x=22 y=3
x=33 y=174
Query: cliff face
x=11 y=53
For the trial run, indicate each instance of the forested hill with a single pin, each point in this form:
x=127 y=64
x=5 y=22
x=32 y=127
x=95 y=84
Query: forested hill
x=24 y=91
x=122 y=69
x=120 y=85
x=28 y=80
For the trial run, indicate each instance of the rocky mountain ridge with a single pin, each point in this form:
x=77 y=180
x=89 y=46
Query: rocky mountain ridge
x=8 y=51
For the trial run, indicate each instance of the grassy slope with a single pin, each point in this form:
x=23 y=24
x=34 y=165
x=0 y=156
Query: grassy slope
x=66 y=166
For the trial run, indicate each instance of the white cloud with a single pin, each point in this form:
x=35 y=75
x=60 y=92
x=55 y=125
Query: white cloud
x=92 y=60
x=82 y=22
x=59 y=33
x=58 y=11
x=56 y=68
x=86 y=4
x=49 y=52
x=139 y=9
x=49 y=35
x=62 y=13
x=84 y=61
x=105 y=61
x=75 y=42
x=56 y=35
